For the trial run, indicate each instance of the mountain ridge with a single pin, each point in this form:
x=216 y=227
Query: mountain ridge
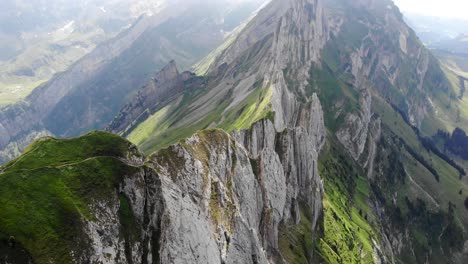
x=309 y=139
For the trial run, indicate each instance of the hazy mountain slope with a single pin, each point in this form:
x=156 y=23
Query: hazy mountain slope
x=88 y=95
x=42 y=38
x=401 y=70
x=447 y=40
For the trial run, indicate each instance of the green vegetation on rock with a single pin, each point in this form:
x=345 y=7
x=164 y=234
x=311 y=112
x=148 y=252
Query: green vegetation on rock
x=58 y=181
x=52 y=151
x=348 y=232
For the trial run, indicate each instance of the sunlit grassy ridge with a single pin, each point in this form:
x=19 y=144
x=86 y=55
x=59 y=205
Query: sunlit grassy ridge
x=51 y=151
x=58 y=181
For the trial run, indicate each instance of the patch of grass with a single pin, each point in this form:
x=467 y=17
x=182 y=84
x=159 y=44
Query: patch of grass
x=11 y=93
x=164 y=137
x=395 y=122
x=147 y=127
x=255 y=107
x=347 y=227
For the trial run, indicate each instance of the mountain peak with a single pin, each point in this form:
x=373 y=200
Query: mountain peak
x=167 y=73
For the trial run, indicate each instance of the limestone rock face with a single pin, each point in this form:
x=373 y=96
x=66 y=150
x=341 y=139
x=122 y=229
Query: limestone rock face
x=215 y=197
x=353 y=134
x=390 y=58
x=375 y=132
x=284 y=36
x=4 y=137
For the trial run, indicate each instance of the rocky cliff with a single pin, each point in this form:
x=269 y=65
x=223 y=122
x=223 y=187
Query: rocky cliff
x=212 y=198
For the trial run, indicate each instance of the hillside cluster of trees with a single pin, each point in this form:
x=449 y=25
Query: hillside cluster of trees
x=457 y=142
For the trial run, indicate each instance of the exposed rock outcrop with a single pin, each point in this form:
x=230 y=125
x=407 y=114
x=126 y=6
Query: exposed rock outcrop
x=353 y=134
x=216 y=198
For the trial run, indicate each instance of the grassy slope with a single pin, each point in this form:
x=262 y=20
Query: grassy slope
x=340 y=221
x=445 y=191
x=51 y=151
x=346 y=233
x=46 y=192
x=347 y=230
x=161 y=130
x=296 y=242
x=451 y=112
x=420 y=187
x=349 y=223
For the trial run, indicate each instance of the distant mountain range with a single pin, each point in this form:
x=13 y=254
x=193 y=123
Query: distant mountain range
x=43 y=38
x=441 y=33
